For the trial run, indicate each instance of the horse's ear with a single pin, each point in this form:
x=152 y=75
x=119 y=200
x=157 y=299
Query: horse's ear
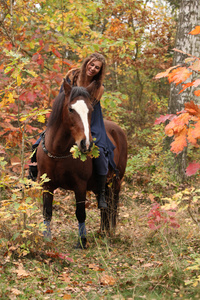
x=95 y=85
x=67 y=87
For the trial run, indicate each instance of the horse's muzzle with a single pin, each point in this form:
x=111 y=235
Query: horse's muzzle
x=84 y=147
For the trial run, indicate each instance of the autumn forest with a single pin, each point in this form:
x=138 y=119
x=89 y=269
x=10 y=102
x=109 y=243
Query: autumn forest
x=152 y=90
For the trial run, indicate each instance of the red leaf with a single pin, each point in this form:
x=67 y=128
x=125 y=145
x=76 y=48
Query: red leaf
x=49 y=291
x=64 y=256
x=8 y=45
x=2 y=151
x=56 y=52
x=31 y=96
x=163 y=118
x=67 y=62
x=192 y=168
x=58 y=79
x=174 y=223
x=35 y=57
x=56 y=67
x=53 y=254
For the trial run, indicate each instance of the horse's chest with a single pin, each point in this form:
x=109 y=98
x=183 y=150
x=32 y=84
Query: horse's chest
x=72 y=171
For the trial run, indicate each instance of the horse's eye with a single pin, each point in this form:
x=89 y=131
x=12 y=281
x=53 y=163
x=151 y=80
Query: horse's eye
x=71 y=110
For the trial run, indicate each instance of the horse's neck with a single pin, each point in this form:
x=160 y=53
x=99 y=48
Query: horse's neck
x=58 y=141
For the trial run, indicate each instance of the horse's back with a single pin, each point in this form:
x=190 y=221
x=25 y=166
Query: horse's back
x=119 y=140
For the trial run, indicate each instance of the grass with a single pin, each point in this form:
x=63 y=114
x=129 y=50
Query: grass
x=135 y=263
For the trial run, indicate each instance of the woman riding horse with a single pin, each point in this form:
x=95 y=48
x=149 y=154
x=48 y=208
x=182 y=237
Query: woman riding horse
x=93 y=69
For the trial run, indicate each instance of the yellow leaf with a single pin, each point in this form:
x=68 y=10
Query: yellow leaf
x=195 y=283
x=23 y=119
x=19 y=80
x=41 y=118
x=10 y=98
x=32 y=72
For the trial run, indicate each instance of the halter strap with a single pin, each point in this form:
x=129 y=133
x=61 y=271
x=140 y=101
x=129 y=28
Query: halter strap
x=46 y=151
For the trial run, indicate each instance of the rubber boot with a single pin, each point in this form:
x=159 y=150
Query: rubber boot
x=101 y=191
x=33 y=172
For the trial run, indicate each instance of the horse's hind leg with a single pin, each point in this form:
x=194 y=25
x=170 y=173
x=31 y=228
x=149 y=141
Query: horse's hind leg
x=47 y=212
x=109 y=216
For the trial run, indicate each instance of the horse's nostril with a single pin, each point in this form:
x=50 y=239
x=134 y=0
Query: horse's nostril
x=90 y=147
x=83 y=144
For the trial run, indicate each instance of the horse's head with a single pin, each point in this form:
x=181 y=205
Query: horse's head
x=77 y=114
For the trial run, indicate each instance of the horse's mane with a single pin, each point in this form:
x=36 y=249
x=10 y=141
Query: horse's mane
x=56 y=114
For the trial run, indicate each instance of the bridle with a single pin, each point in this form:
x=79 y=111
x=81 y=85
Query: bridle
x=47 y=152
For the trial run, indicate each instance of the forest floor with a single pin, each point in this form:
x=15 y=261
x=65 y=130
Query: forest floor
x=136 y=262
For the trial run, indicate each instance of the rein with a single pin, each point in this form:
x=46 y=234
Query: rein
x=47 y=152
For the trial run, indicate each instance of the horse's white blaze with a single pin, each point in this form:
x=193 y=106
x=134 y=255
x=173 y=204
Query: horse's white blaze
x=81 y=108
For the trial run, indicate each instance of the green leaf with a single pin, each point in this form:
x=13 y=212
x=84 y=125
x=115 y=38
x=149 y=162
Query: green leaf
x=15 y=235
x=76 y=153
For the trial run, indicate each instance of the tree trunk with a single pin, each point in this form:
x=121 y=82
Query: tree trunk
x=189 y=17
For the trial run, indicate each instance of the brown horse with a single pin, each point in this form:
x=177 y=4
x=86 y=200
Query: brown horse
x=69 y=124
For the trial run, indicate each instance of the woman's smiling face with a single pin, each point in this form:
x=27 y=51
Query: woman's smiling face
x=93 y=68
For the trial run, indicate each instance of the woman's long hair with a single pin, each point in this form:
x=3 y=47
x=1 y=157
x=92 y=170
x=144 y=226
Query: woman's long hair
x=77 y=76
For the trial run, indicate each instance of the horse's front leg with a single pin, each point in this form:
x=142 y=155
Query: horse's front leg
x=47 y=212
x=81 y=216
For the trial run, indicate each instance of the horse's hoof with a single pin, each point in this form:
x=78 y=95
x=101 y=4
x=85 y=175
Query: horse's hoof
x=47 y=231
x=102 y=205
x=47 y=235
x=82 y=243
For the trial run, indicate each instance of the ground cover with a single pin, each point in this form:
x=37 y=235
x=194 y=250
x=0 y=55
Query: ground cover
x=136 y=262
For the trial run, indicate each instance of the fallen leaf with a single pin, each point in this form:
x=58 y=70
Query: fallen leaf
x=93 y=267
x=67 y=296
x=151 y=197
x=49 y=291
x=107 y=280
x=64 y=277
x=16 y=292
x=21 y=273
x=148 y=265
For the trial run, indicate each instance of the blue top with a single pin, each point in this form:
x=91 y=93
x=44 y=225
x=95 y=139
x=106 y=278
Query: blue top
x=99 y=133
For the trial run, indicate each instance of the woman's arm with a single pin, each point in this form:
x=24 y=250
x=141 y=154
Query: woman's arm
x=100 y=93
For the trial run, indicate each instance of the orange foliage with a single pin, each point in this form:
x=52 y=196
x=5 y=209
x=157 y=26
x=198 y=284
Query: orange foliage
x=177 y=124
x=180 y=141
x=185 y=126
x=197 y=93
x=179 y=75
x=195 y=31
